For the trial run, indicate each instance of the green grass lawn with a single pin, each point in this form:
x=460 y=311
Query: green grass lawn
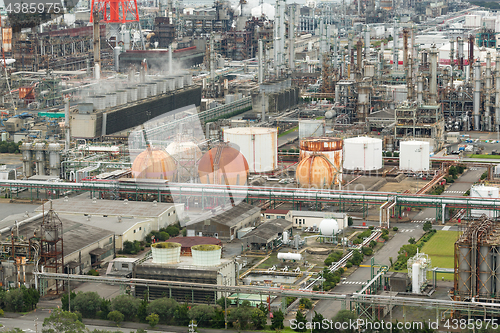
x=485 y=156
x=440 y=249
x=293 y=129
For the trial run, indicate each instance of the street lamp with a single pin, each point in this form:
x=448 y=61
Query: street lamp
x=225 y=301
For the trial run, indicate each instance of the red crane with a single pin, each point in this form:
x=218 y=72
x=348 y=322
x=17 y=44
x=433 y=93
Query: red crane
x=116 y=11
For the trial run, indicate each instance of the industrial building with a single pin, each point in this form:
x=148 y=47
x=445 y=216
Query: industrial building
x=306 y=219
x=269 y=235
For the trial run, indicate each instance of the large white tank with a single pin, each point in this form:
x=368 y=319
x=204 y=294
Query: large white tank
x=54 y=158
x=166 y=252
x=415 y=278
x=481 y=191
x=170 y=83
x=311 y=128
x=362 y=153
x=152 y=88
x=329 y=227
x=414 y=156
x=258 y=145
x=289 y=256
x=206 y=254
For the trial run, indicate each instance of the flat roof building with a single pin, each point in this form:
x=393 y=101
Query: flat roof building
x=268 y=235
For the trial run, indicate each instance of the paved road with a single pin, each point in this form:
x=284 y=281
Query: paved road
x=7 y=209
x=356 y=280
x=458 y=188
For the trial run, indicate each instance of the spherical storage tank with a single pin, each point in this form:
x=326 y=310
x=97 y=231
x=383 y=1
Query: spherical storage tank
x=259 y=145
x=315 y=171
x=166 y=253
x=206 y=255
x=154 y=164
x=414 y=156
x=331 y=148
x=329 y=227
x=362 y=153
x=232 y=166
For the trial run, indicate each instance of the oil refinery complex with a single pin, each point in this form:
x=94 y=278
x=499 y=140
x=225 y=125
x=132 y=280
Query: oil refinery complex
x=345 y=152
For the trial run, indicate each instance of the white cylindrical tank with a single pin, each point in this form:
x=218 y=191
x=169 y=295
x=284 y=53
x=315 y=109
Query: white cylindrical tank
x=329 y=227
x=132 y=94
x=481 y=191
x=170 y=83
x=285 y=237
x=161 y=86
x=166 y=252
x=179 y=82
x=414 y=156
x=289 y=256
x=415 y=278
x=311 y=128
x=142 y=91
x=259 y=146
x=206 y=254
x=111 y=100
x=54 y=158
x=121 y=97
x=99 y=102
x=5 y=136
x=152 y=88
x=362 y=153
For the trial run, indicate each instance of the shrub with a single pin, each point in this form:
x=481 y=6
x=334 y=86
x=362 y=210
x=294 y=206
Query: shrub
x=164 y=307
x=127 y=305
x=116 y=316
x=93 y=272
x=202 y=314
x=306 y=303
x=87 y=303
x=395 y=228
x=348 y=264
x=153 y=319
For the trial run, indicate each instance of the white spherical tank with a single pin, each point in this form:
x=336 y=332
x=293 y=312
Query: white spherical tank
x=258 y=145
x=206 y=254
x=362 y=153
x=329 y=227
x=414 y=156
x=166 y=253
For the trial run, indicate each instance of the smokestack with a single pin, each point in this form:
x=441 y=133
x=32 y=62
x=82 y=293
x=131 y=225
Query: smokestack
x=116 y=52
x=335 y=52
x=170 y=60
x=460 y=53
x=261 y=59
x=477 y=95
x=367 y=42
x=433 y=81
x=359 y=46
x=487 y=104
x=97 y=45
x=452 y=52
x=66 y=125
x=471 y=52
x=420 y=89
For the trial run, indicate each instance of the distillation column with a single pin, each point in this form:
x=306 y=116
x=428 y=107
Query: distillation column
x=487 y=104
x=261 y=59
x=477 y=95
x=433 y=80
x=395 y=51
x=497 y=92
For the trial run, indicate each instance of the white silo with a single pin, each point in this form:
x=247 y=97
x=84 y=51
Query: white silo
x=179 y=81
x=40 y=158
x=362 y=153
x=489 y=192
x=329 y=227
x=311 y=128
x=206 y=255
x=414 y=156
x=170 y=83
x=152 y=88
x=166 y=253
x=27 y=162
x=55 y=159
x=259 y=146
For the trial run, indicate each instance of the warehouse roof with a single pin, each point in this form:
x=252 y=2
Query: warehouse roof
x=305 y=213
x=107 y=207
x=269 y=230
x=230 y=217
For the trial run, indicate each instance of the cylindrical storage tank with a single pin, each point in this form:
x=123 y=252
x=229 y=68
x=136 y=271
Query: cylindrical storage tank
x=206 y=255
x=170 y=83
x=111 y=100
x=54 y=156
x=99 y=102
x=152 y=88
x=179 y=82
x=154 y=164
x=311 y=128
x=362 y=153
x=414 y=156
x=188 y=80
x=285 y=237
x=142 y=91
x=315 y=171
x=132 y=94
x=329 y=227
x=166 y=253
x=161 y=86
x=289 y=256
x=259 y=145
x=40 y=152
x=4 y=136
x=233 y=167
x=121 y=97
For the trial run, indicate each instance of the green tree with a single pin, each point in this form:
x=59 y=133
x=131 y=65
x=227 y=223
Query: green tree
x=65 y=300
x=300 y=322
x=263 y=307
x=395 y=228
x=14 y=300
x=316 y=322
x=411 y=240
x=164 y=307
x=202 y=314
x=116 y=316
x=61 y=321
x=172 y=230
x=239 y=317
x=218 y=320
x=127 y=305
x=142 y=312
x=181 y=315
x=153 y=319
x=346 y=316
x=306 y=303
x=350 y=221
x=484 y=175
x=258 y=319
x=427 y=226
x=87 y=303
x=277 y=320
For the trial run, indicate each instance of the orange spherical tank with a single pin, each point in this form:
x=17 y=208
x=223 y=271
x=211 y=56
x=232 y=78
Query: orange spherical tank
x=232 y=165
x=315 y=171
x=154 y=164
